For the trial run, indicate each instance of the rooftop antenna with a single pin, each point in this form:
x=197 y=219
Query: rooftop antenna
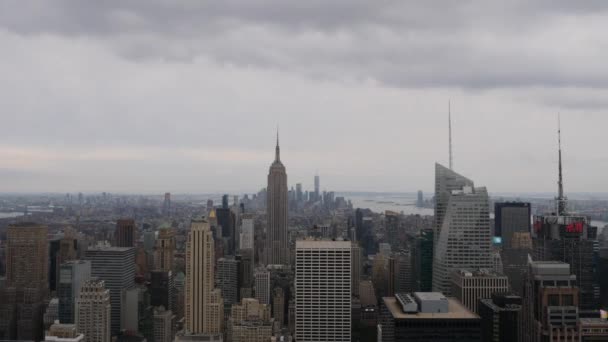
x=561 y=199
x=450 y=136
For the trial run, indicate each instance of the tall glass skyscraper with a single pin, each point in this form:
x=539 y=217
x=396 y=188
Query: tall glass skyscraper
x=463 y=236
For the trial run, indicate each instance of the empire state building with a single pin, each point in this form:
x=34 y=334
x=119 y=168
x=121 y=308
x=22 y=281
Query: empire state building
x=276 y=250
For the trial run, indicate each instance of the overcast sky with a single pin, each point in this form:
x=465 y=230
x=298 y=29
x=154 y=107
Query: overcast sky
x=185 y=95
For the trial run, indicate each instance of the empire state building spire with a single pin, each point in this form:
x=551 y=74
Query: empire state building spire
x=277 y=156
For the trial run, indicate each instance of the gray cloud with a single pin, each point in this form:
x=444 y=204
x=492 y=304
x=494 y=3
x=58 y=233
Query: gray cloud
x=471 y=44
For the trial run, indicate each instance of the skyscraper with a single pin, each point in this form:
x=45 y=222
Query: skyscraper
x=21 y=309
x=568 y=238
x=504 y=309
x=204 y=304
x=162 y=325
x=72 y=275
x=27 y=256
x=464 y=239
x=469 y=286
x=226 y=279
x=167 y=204
x=299 y=194
x=510 y=218
x=317 y=187
x=125 y=233
x=446 y=181
x=422 y=261
x=227 y=221
x=278 y=305
x=247 y=233
x=323 y=291
x=550 y=303
x=161 y=289
x=93 y=312
x=164 y=250
x=116 y=267
x=61 y=250
x=404 y=277
x=356 y=268
x=262 y=285
x=276 y=237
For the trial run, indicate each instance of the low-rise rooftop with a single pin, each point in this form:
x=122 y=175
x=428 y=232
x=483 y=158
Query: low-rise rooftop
x=456 y=310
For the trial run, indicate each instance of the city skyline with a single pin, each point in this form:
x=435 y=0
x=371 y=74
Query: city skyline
x=439 y=171
x=104 y=98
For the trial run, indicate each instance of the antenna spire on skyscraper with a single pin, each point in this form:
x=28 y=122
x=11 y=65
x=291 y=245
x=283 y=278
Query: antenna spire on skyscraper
x=561 y=199
x=277 y=156
x=450 y=134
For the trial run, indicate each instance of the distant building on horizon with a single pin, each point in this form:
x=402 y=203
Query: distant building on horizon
x=420 y=199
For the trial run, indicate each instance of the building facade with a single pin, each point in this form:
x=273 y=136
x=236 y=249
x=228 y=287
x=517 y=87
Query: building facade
x=262 y=285
x=427 y=316
x=550 y=303
x=500 y=316
x=72 y=275
x=165 y=250
x=323 y=291
x=226 y=279
x=204 y=304
x=464 y=238
x=125 y=233
x=276 y=249
x=93 y=312
x=469 y=286
x=116 y=267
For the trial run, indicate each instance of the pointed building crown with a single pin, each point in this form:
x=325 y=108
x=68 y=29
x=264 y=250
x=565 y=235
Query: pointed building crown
x=277 y=152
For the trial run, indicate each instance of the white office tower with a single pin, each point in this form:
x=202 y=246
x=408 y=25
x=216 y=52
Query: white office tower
x=162 y=325
x=247 y=231
x=204 y=304
x=446 y=181
x=262 y=285
x=323 y=291
x=464 y=236
x=93 y=311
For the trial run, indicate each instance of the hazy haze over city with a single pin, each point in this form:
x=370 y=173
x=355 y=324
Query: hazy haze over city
x=185 y=96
